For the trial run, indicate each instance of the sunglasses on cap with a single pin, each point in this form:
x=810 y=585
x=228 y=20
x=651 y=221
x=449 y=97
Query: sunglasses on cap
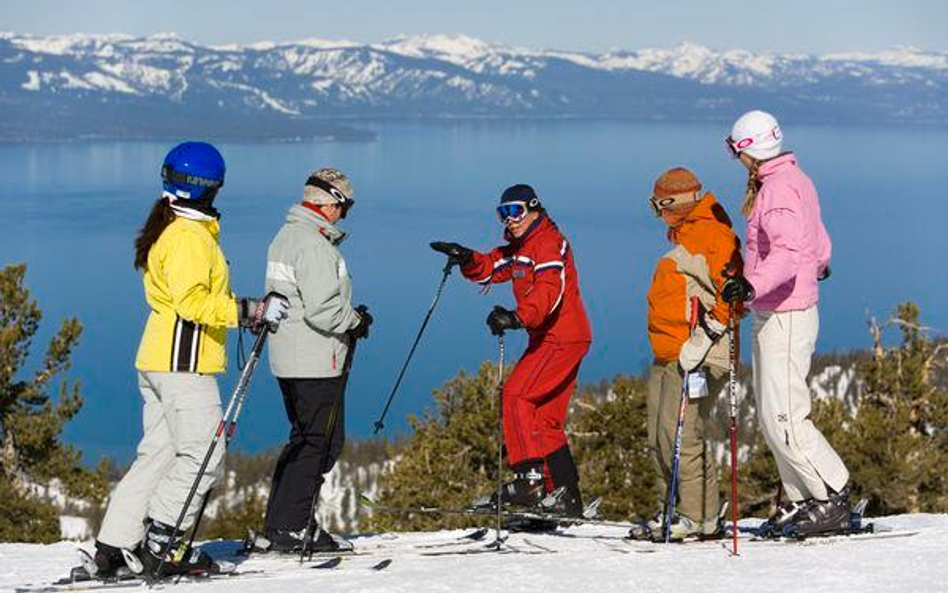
x=512 y=211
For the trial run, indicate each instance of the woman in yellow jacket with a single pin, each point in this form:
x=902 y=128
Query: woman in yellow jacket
x=187 y=287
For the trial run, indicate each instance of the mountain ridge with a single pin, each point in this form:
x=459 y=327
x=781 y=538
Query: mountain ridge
x=111 y=85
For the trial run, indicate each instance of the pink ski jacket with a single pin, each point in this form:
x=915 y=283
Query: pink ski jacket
x=787 y=244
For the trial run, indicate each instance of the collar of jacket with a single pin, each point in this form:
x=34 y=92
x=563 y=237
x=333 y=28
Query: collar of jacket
x=767 y=168
x=211 y=226
x=301 y=214
x=707 y=209
x=542 y=221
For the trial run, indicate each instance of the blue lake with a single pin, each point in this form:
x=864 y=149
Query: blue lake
x=71 y=212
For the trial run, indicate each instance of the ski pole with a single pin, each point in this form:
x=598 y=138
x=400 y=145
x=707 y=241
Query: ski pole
x=333 y=423
x=730 y=272
x=234 y=406
x=500 y=438
x=732 y=429
x=676 y=456
x=379 y=424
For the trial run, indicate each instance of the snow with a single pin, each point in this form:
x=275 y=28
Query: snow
x=33 y=83
x=583 y=559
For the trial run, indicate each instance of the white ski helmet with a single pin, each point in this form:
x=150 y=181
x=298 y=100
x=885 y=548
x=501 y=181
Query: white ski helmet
x=758 y=134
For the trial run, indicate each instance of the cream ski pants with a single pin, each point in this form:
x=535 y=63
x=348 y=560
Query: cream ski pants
x=180 y=414
x=783 y=344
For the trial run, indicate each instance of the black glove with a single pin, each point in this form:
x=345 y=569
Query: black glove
x=824 y=274
x=361 y=331
x=457 y=254
x=500 y=320
x=737 y=289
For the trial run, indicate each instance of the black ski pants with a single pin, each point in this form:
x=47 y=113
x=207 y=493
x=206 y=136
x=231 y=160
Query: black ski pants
x=314 y=408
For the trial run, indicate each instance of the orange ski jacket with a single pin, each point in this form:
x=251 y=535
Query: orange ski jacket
x=703 y=245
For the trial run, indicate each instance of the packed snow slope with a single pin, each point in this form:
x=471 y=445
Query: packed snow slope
x=580 y=559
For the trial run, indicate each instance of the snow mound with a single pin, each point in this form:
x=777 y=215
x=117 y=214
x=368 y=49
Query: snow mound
x=584 y=558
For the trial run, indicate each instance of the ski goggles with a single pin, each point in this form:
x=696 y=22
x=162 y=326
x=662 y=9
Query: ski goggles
x=736 y=147
x=342 y=200
x=670 y=202
x=512 y=211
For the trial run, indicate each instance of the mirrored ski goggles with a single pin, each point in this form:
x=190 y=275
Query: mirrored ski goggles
x=512 y=211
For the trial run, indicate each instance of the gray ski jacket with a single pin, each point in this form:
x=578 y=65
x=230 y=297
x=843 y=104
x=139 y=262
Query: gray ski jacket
x=305 y=265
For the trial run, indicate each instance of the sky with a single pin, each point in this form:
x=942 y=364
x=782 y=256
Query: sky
x=810 y=26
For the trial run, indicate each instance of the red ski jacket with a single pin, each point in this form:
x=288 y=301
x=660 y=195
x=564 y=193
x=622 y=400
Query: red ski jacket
x=545 y=282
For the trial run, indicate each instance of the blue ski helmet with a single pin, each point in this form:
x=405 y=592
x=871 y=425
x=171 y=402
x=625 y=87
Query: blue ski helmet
x=192 y=170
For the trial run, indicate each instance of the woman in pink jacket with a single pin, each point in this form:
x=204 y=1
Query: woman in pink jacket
x=788 y=252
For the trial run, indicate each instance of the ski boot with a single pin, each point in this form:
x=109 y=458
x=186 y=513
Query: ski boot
x=286 y=541
x=108 y=565
x=526 y=490
x=565 y=478
x=823 y=517
x=644 y=528
x=784 y=515
x=180 y=560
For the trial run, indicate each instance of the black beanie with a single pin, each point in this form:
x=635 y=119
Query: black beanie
x=521 y=193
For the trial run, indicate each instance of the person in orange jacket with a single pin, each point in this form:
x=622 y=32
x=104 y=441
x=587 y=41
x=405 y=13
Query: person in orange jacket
x=538 y=260
x=703 y=245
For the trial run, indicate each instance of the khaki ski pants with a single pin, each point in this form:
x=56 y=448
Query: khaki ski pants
x=698 y=496
x=783 y=344
x=180 y=415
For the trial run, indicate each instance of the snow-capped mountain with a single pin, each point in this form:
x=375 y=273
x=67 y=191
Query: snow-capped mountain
x=119 y=85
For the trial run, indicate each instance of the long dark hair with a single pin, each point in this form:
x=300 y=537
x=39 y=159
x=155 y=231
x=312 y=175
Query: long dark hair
x=159 y=218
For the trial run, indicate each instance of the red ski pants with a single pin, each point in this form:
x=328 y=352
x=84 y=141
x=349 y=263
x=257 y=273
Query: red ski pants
x=536 y=397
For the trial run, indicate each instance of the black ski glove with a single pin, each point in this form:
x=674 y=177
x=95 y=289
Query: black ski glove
x=361 y=331
x=457 y=253
x=737 y=289
x=500 y=320
x=824 y=274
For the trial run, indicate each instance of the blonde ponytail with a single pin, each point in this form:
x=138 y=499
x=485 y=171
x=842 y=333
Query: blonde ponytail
x=753 y=186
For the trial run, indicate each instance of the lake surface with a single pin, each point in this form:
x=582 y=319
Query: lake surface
x=71 y=212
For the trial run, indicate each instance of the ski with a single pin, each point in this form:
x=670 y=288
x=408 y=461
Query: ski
x=129 y=581
x=521 y=515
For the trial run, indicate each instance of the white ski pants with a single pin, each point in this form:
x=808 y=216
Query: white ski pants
x=180 y=414
x=783 y=344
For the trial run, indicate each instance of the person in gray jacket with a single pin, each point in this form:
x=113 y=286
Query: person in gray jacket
x=310 y=356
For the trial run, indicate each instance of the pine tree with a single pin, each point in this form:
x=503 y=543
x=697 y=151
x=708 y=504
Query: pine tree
x=451 y=456
x=609 y=436
x=898 y=454
x=31 y=423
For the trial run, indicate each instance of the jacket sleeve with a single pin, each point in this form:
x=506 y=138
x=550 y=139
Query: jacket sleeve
x=783 y=226
x=549 y=284
x=188 y=274
x=725 y=251
x=320 y=288
x=488 y=268
x=825 y=249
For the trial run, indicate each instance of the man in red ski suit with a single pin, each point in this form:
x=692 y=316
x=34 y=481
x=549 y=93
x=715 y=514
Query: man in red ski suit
x=539 y=262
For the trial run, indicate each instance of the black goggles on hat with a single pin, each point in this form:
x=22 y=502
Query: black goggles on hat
x=342 y=200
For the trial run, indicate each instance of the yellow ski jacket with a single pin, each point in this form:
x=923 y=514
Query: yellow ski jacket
x=188 y=289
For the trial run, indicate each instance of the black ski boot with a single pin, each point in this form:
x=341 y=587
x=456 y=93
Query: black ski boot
x=569 y=502
x=181 y=560
x=108 y=564
x=784 y=515
x=526 y=490
x=285 y=541
x=823 y=517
